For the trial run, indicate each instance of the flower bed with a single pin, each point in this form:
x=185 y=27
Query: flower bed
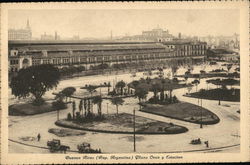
x=123 y=124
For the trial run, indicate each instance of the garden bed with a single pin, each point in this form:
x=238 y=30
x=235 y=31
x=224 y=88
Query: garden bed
x=65 y=132
x=218 y=94
x=29 y=109
x=182 y=111
x=123 y=124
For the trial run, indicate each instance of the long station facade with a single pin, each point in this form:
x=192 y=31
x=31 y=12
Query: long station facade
x=63 y=53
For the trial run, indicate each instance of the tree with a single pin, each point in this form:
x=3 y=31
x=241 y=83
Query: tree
x=229 y=67
x=186 y=78
x=174 y=70
x=155 y=87
x=98 y=100
x=73 y=109
x=141 y=93
x=81 y=106
x=196 y=82
x=91 y=89
x=68 y=92
x=35 y=80
x=85 y=107
x=121 y=84
x=117 y=101
x=189 y=88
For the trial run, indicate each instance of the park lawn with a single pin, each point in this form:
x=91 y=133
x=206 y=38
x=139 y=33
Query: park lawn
x=123 y=123
x=218 y=94
x=29 y=109
x=182 y=111
x=65 y=132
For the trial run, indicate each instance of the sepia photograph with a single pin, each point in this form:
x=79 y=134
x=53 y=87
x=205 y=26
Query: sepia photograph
x=101 y=81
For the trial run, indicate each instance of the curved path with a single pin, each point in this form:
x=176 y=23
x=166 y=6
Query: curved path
x=75 y=151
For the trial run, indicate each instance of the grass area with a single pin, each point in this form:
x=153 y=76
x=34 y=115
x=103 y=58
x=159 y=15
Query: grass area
x=218 y=94
x=29 y=109
x=65 y=132
x=123 y=123
x=183 y=111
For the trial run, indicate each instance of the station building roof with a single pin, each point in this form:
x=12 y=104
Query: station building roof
x=80 y=45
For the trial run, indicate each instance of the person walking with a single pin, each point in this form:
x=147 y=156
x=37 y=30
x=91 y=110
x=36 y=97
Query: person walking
x=38 y=137
x=206 y=142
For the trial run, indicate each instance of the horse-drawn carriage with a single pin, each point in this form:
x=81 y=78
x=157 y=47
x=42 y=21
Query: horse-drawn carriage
x=55 y=146
x=85 y=148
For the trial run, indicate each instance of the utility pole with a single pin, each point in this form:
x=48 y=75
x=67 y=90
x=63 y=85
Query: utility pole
x=107 y=108
x=134 y=130
x=57 y=114
x=201 y=114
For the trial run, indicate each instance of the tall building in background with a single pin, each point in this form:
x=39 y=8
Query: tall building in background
x=20 y=34
x=50 y=37
x=156 y=34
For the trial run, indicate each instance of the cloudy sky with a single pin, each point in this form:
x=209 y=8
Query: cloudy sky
x=99 y=23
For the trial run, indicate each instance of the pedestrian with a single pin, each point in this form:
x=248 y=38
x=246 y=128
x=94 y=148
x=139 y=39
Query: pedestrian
x=38 y=137
x=206 y=142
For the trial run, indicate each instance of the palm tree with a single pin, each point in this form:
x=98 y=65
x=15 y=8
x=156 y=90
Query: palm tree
x=189 y=89
x=186 y=78
x=81 y=106
x=88 y=107
x=90 y=89
x=98 y=100
x=196 y=82
x=85 y=107
x=73 y=109
x=117 y=101
x=121 y=84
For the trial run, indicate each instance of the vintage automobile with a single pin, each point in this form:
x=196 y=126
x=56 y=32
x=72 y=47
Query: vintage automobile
x=196 y=141
x=55 y=145
x=86 y=148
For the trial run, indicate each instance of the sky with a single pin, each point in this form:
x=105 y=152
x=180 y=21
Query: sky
x=99 y=23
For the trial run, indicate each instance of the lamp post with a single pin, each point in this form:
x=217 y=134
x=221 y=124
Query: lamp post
x=201 y=114
x=134 y=130
x=107 y=108
x=57 y=114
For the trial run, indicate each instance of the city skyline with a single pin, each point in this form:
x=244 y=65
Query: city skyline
x=100 y=23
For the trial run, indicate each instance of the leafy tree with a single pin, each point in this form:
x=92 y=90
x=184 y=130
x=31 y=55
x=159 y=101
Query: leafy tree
x=35 y=80
x=141 y=93
x=174 y=70
x=98 y=100
x=121 y=84
x=68 y=92
x=135 y=83
x=91 y=89
x=155 y=87
x=186 y=78
x=229 y=67
x=117 y=101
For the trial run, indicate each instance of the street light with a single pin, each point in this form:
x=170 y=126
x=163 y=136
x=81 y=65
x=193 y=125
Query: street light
x=107 y=108
x=201 y=114
x=134 y=130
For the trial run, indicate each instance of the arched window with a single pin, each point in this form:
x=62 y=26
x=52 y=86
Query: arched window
x=25 y=61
